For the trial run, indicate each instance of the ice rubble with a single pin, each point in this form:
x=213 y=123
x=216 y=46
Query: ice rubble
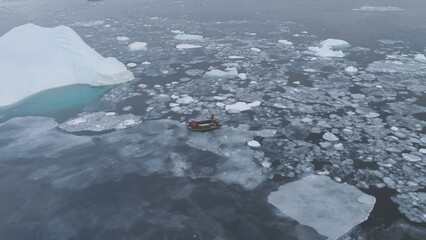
x=51 y=57
x=33 y=137
x=332 y=209
x=351 y=69
x=100 y=121
x=138 y=46
x=412 y=205
x=330 y=48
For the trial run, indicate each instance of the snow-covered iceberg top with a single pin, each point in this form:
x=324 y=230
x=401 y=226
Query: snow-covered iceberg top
x=332 y=209
x=330 y=48
x=35 y=58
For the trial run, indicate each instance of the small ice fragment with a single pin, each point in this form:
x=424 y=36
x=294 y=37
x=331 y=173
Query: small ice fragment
x=257 y=50
x=285 y=42
x=236 y=57
x=253 y=144
x=339 y=147
x=228 y=73
x=131 y=65
x=138 y=46
x=411 y=157
x=187 y=46
x=351 y=69
x=330 y=137
x=122 y=38
x=146 y=63
x=242 y=76
x=189 y=37
x=372 y=115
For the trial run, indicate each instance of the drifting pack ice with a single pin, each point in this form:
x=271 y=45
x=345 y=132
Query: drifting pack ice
x=35 y=58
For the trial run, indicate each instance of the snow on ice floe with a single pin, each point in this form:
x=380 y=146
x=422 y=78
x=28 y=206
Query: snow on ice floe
x=241 y=106
x=33 y=137
x=332 y=209
x=189 y=37
x=330 y=48
x=412 y=205
x=378 y=9
x=138 y=46
x=187 y=46
x=100 y=121
x=51 y=57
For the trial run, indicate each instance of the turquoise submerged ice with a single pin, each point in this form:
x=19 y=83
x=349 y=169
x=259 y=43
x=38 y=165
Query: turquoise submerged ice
x=332 y=209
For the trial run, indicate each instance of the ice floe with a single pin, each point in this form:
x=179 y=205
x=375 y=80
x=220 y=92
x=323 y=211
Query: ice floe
x=420 y=58
x=227 y=73
x=51 y=57
x=241 y=106
x=285 y=42
x=122 y=38
x=138 y=46
x=332 y=209
x=330 y=137
x=189 y=37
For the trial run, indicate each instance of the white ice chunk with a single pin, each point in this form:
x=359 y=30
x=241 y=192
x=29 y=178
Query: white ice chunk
x=189 y=37
x=257 y=50
x=236 y=57
x=351 y=69
x=228 y=73
x=242 y=76
x=285 y=42
x=187 y=46
x=330 y=137
x=411 y=157
x=138 y=46
x=420 y=58
x=241 y=106
x=330 y=48
x=332 y=209
x=35 y=58
x=131 y=65
x=122 y=38
x=253 y=144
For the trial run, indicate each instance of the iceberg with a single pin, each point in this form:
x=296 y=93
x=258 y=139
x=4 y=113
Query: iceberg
x=35 y=58
x=331 y=208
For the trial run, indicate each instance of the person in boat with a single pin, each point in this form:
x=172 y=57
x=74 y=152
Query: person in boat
x=212 y=120
x=193 y=124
